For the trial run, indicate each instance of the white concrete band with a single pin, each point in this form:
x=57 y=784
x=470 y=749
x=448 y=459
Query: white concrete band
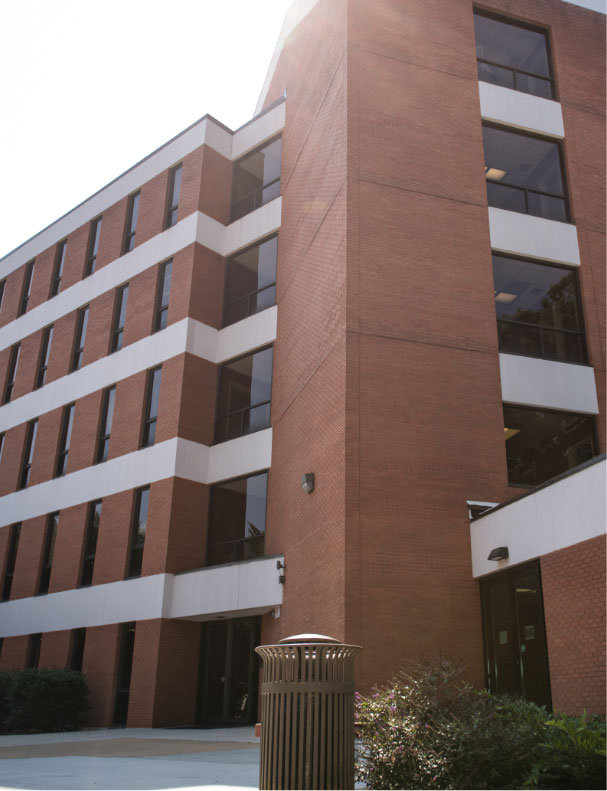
x=521 y=110
x=205 y=132
x=222 y=239
x=558 y=516
x=235 y=590
x=186 y=335
x=547 y=384
x=175 y=457
x=533 y=237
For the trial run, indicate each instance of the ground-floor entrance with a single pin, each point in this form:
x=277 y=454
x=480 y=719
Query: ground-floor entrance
x=229 y=672
x=516 y=657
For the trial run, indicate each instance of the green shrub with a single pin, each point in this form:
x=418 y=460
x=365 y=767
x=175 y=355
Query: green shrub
x=429 y=729
x=572 y=754
x=42 y=700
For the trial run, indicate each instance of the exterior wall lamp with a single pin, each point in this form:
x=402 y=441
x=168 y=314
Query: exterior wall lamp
x=307 y=482
x=499 y=553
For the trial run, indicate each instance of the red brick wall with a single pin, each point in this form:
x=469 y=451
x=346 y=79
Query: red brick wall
x=573 y=584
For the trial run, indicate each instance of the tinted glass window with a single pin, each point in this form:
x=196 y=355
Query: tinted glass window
x=250 y=282
x=512 y=56
x=542 y=444
x=237 y=521
x=256 y=179
x=538 y=310
x=245 y=387
x=524 y=174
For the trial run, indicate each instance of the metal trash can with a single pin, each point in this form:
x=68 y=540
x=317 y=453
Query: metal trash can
x=307 y=713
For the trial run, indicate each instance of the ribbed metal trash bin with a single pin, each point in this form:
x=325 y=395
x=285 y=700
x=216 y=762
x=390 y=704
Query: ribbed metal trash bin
x=307 y=713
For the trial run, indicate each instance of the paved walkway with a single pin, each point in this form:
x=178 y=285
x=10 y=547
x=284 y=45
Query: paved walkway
x=132 y=758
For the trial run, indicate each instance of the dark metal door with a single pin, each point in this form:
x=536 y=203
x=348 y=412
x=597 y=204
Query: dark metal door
x=229 y=672
x=516 y=658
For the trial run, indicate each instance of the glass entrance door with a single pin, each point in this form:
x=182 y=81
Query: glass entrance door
x=229 y=672
x=516 y=659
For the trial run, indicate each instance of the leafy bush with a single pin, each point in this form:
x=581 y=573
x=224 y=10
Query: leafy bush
x=42 y=700
x=429 y=729
x=572 y=754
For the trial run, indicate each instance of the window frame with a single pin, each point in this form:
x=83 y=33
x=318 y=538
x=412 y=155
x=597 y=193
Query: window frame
x=11 y=373
x=43 y=358
x=130 y=228
x=233 y=215
x=135 y=556
x=34 y=645
x=77 y=644
x=212 y=494
x=2 y=290
x=218 y=417
x=172 y=205
x=148 y=419
x=88 y=556
x=58 y=269
x=82 y=317
x=105 y=432
x=120 y=301
x=582 y=334
x=28 y=453
x=65 y=436
x=565 y=197
x=595 y=439
x=229 y=259
x=160 y=309
x=11 y=561
x=26 y=287
x=92 y=248
x=545 y=31
x=46 y=565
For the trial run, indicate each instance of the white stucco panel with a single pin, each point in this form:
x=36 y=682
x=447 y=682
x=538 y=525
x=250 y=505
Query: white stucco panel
x=528 y=381
x=534 y=237
x=521 y=110
x=561 y=515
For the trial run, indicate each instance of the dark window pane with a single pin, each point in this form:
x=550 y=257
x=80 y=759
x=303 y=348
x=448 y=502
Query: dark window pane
x=244 y=395
x=542 y=444
x=530 y=163
x=250 y=281
x=90 y=543
x=140 y=517
x=256 y=179
x=525 y=161
x=11 y=374
x=77 y=652
x=237 y=520
x=123 y=681
x=164 y=293
x=151 y=414
x=511 y=45
x=547 y=206
x=502 y=197
x=535 y=85
x=11 y=559
x=496 y=75
x=528 y=293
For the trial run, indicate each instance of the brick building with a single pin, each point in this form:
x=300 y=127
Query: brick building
x=391 y=278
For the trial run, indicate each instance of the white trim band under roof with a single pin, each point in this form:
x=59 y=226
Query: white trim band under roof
x=204 y=132
x=235 y=590
x=185 y=336
x=173 y=458
x=222 y=239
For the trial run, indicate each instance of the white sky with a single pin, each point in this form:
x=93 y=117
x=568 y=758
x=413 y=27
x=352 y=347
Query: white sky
x=89 y=87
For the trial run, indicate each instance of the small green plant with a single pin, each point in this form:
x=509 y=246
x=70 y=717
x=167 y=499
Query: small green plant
x=429 y=729
x=42 y=700
x=572 y=754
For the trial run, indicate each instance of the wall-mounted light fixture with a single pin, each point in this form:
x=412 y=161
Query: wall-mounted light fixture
x=499 y=553
x=281 y=567
x=307 y=482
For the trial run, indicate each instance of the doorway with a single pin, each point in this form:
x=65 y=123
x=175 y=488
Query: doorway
x=229 y=672
x=516 y=657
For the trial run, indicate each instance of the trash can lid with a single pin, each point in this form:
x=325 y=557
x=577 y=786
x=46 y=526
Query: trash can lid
x=309 y=638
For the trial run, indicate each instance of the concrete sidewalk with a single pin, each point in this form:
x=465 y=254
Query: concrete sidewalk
x=132 y=758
